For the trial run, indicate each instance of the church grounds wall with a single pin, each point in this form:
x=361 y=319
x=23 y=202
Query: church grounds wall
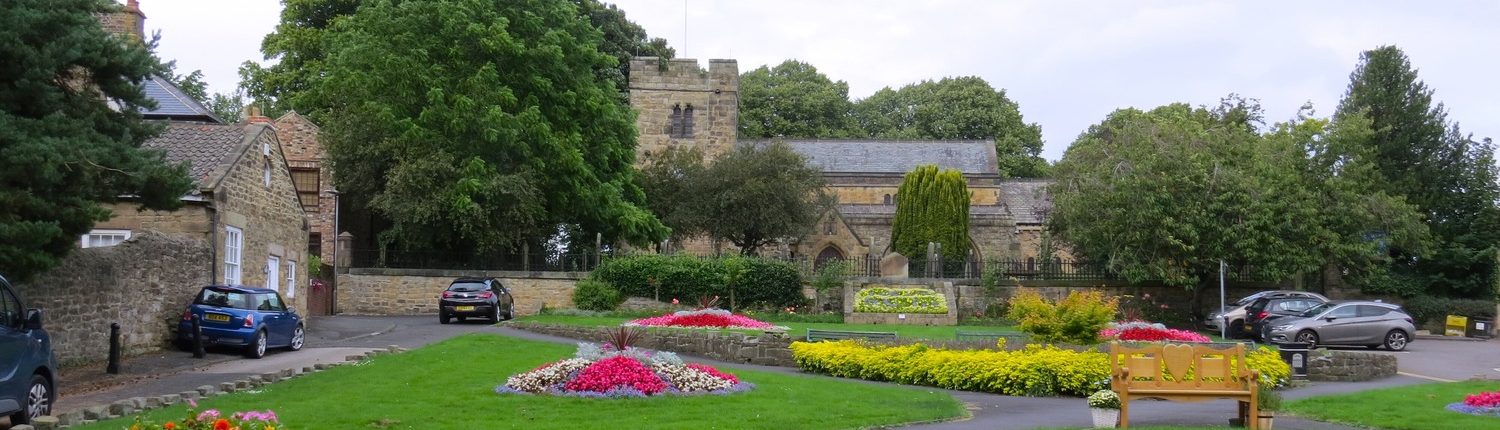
x=143 y=284
x=415 y=291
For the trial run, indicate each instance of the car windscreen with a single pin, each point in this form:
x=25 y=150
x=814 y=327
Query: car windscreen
x=223 y=299
x=1248 y=299
x=467 y=287
x=1315 y=310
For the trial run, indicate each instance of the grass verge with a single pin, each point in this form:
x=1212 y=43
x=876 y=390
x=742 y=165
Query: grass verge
x=1412 y=407
x=450 y=385
x=796 y=329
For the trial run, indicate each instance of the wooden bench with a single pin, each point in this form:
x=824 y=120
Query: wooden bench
x=814 y=335
x=1159 y=371
x=990 y=336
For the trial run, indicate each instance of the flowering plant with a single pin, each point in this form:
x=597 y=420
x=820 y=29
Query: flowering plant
x=605 y=371
x=212 y=419
x=1484 y=403
x=703 y=318
x=1104 y=399
x=1142 y=331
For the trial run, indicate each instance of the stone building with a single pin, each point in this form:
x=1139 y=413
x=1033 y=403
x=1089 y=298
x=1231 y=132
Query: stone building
x=680 y=105
x=314 y=181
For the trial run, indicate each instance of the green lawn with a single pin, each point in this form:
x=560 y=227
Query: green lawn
x=450 y=385
x=1412 y=407
x=797 y=329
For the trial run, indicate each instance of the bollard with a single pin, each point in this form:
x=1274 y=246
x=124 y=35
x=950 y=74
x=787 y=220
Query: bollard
x=198 y=338
x=114 y=349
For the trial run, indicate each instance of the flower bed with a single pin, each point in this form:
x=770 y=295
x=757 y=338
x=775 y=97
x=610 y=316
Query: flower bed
x=1482 y=404
x=703 y=318
x=1142 y=331
x=597 y=371
x=212 y=419
x=900 y=300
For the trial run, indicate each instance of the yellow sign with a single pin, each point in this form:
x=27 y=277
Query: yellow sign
x=1456 y=325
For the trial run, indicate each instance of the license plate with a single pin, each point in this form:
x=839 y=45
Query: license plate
x=216 y=317
x=464 y=308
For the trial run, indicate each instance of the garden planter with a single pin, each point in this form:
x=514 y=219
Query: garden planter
x=1264 y=421
x=1105 y=418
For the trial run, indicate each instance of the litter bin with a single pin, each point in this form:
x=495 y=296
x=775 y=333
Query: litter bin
x=1480 y=328
x=1295 y=355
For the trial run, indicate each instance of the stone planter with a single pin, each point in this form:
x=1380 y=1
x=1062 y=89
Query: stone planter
x=945 y=288
x=1105 y=418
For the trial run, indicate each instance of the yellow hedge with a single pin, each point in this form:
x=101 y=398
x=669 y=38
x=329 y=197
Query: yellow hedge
x=1034 y=371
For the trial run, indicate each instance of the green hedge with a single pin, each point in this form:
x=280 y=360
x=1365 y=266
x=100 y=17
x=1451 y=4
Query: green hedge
x=1426 y=309
x=592 y=295
x=766 y=283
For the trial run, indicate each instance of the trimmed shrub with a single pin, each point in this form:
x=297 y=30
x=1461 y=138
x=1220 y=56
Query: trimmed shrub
x=764 y=284
x=1034 y=371
x=1425 y=309
x=905 y=300
x=1076 y=319
x=593 y=295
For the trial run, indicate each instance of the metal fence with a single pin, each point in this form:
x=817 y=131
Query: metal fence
x=527 y=261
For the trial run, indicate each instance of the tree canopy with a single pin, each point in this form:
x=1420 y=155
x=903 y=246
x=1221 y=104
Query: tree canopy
x=64 y=151
x=932 y=206
x=478 y=124
x=1446 y=174
x=794 y=100
x=751 y=197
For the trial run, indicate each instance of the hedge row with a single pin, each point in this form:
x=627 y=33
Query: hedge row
x=765 y=283
x=1426 y=309
x=1034 y=371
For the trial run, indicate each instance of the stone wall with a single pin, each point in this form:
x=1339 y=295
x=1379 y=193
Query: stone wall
x=1350 y=366
x=269 y=217
x=656 y=86
x=143 y=284
x=768 y=349
x=416 y=291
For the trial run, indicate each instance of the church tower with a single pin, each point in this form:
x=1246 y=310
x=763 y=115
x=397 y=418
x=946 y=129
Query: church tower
x=680 y=105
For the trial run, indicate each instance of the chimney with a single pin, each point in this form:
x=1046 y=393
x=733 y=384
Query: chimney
x=253 y=115
x=127 y=22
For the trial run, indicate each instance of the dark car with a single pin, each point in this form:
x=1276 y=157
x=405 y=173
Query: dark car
x=27 y=367
x=476 y=297
x=1234 y=314
x=255 y=319
x=1265 y=309
x=1348 y=322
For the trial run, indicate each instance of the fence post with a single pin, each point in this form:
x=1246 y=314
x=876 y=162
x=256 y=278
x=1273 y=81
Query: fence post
x=525 y=257
x=598 y=247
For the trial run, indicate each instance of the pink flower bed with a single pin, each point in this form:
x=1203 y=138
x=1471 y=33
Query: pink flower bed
x=597 y=371
x=702 y=318
x=1140 y=331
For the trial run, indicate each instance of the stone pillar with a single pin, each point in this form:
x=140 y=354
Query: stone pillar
x=345 y=249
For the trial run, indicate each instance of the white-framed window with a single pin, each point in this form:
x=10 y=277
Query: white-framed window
x=291 y=279
x=99 y=238
x=234 y=241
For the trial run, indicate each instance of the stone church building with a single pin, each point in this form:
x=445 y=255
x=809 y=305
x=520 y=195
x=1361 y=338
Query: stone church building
x=680 y=105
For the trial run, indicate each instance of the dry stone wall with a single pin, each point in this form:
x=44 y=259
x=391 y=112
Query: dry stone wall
x=143 y=284
x=416 y=291
x=1350 y=366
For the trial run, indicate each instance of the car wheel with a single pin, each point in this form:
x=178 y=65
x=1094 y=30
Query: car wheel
x=1396 y=340
x=39 y=399
x=510 y=312
x=257 y=347
x=443 y=318
x=495 y=313
x=1308 y=337
x=1237 y=329
x=298 y=336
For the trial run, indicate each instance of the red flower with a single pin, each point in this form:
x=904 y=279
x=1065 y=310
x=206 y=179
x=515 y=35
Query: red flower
x=1485 y=399
x=617 y=372
x=169 y=425
x=221 y=424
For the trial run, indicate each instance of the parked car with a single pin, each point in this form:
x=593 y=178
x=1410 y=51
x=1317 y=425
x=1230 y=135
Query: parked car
x=1267 y=308
x=1234 y=314
x=1350 y=322
x=255 y=319
x=28 y=371
x=476 y=297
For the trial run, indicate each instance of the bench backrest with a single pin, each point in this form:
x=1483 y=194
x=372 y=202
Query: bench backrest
x=814 y=335
x=973 y=335
x=1181 y=366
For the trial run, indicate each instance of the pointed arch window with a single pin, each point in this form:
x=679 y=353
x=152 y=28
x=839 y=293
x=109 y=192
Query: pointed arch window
x=681 y=122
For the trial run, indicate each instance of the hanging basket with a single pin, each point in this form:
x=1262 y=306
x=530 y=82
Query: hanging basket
x=1105 y=418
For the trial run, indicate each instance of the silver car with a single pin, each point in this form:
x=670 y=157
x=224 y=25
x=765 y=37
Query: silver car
x=1346 y=322
x=1234 y=314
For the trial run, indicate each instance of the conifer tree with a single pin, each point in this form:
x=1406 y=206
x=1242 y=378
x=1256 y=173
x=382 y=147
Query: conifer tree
x=932 y=205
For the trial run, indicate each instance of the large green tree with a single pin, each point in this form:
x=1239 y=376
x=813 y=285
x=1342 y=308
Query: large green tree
x=64 y=151
x=956 y=108
x=932 y=206
x=1167 y=194
x=793 y=100
x=478 y=124
x=1449 y=176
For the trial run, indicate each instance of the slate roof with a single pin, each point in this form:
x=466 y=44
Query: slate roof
x=1027 y=201
x=173 y=104
x=972 y=157
x=204 y=146
x=878 y=209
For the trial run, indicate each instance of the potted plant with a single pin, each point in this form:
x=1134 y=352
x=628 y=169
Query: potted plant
x=1267 y=403
x=1105 y=407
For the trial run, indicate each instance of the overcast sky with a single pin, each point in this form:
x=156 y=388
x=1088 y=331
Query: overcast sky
x=1067 y=63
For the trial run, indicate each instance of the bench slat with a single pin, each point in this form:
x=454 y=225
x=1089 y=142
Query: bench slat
x=818 y=335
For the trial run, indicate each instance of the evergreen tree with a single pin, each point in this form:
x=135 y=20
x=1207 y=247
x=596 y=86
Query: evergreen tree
x=932 y=205
x=64 y=151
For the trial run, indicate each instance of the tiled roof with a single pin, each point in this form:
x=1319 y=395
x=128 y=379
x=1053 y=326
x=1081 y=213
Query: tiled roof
x=975 y=157
x=204 y=146
x=1027 y=201
x=172 y=103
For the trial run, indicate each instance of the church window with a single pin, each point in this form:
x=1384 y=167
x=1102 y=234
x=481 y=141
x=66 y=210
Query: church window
x=681 y=122
x=887 y=199
x=828 y=227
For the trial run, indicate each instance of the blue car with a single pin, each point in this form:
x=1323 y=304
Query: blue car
x=255 y=319
x=27 y=367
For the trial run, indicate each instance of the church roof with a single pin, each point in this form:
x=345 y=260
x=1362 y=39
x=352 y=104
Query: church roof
x=972 y=157
x=1027 y=201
